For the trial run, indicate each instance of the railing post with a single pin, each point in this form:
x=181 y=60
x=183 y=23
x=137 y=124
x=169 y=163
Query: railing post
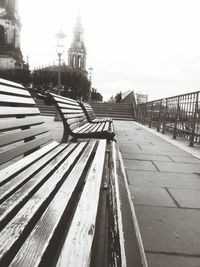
x=164 y=117
x=139 y=113
x=194 y=120
x=144 y=114
x=176 y=120
x=151 y=115
x=160 y=109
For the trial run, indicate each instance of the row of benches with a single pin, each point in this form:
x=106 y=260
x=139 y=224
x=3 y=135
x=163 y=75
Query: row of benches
x=78 y=119
x=62 y=204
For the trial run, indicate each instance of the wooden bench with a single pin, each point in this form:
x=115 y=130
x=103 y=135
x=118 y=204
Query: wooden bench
x=91 y=117
x=60 y=204
x=75 y=121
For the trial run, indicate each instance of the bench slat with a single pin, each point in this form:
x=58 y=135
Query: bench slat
x=82 y=128
x=90 y=129
x=5 y=111
x=29 y=186
x=106 y=126
x=14 y=99
x=19 y=179
x=73 y=115
x=67 y=106
x=14 y=230
x=65 y=100
x=24 y=162
x=13 y=123
x=101 y=128
x=96 y=128
x=17 y=151
x=21 y=135
x=77 y=246
x=47 y=226
x=72 y=111
x=9 y=83
x=14 y=91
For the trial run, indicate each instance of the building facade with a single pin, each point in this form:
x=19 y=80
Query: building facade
x=77 y=50
x=10 y=26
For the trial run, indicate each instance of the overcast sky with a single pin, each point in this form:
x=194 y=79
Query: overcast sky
x=149 y=46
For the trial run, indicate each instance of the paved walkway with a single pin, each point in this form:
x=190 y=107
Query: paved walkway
x=164 y=182
x=165 y=186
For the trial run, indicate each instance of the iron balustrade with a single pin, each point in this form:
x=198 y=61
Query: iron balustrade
x=179 y=115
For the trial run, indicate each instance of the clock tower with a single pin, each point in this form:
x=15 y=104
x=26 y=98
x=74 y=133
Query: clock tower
x=10 y=26
x=77 y=50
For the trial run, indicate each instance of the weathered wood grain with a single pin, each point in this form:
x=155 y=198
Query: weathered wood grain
x=21 y=135
x=48 y=224
x=16 y=227
x=14 y=123
x=20 y=150
x=6 y=111
x=14 y=99
x=18 y=166
x=77 y=246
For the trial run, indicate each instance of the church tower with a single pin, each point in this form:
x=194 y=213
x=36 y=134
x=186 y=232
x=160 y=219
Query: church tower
x=10 y=26
x=77 y=51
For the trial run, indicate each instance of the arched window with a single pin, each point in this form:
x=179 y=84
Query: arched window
x=2 y=36
x=74 y=61
x=79 y=61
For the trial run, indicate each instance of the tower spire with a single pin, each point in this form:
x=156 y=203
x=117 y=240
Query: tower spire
x=77 y=50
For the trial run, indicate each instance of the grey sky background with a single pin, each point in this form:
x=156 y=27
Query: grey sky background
x=149 y=46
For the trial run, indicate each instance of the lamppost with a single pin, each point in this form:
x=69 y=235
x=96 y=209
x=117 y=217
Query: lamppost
x=60 y=36
x=60 y=50
x=90 y=71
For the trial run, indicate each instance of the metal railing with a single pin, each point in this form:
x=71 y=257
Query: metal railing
x=179 y=115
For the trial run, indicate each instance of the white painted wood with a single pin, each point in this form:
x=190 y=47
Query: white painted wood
x=68 y=106
x=18 y=179
x=10 y=123
x=46 y=226
x=10 y=83
x=106 y=126
x=17 y=166
x=12 y=231
x=22 y=135
x=77 y=246
x=14 y=99
x=25 y=190
x=20 y=150
x=18 y=110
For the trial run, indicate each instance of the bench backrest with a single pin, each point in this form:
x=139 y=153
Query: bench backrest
x=89 y=112
x=22 y=129
x=70 y=111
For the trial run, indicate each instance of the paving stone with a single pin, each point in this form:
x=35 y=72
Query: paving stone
x=161 y=260
x=177 y=167
x=186 y=159
x=186 y=198
x=163 y=179
x=143 y=156
x=127 y=143
x=169 y=230
x=153 y=196
x=161 y=147
x=139 y=165
x=55 y=127
x=129 y=149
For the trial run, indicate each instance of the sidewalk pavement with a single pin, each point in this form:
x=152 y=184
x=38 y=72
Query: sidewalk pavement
x=164 y=181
